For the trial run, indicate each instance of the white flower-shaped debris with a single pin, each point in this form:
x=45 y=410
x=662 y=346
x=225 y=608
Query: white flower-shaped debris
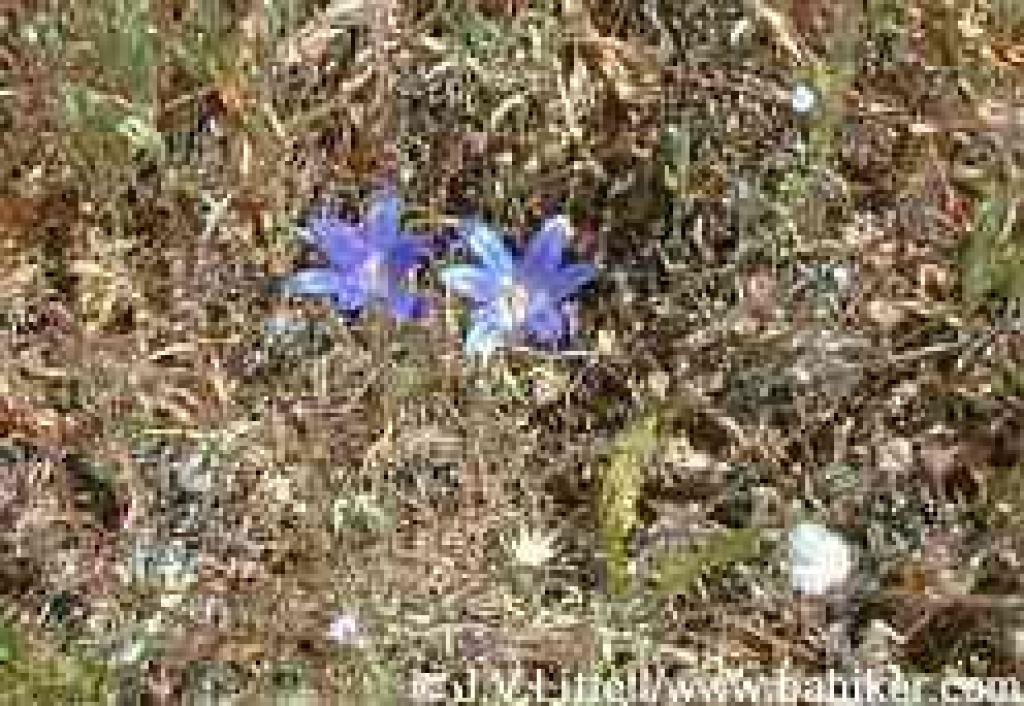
x=531 y=547
x=346 y=630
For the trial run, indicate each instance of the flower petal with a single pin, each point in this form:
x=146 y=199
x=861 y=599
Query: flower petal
x=405 y=306
x=488 y=245
x=544 y=253
x=484 y=337
x=352 y=293
x=382 y=219
x=315 y=281
x=477 y=283
x=341 y=242
x=405 y=254
x=546 y=324
x=570 y=278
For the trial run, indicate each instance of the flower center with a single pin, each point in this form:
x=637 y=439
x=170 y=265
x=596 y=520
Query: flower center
x=375 y=272
x=513 y=302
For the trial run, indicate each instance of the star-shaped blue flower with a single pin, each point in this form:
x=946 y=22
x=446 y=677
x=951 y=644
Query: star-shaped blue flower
x=517 y=298
x=366 y=261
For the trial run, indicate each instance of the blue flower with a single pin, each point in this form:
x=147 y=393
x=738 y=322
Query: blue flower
x=366 y=261
x=517 y=297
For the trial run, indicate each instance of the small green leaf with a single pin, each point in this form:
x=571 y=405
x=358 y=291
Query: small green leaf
x=993 y=261
x=8 y=648
x=676 y=571
x=621 y=482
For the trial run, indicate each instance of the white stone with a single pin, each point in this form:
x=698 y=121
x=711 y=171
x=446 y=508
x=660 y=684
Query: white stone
x=820 y=560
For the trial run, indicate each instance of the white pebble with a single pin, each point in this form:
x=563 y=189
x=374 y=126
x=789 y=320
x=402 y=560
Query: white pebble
x=803 y=99
x=819 y=559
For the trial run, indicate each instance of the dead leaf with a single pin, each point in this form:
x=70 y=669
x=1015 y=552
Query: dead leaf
x=885 y=313
x=17 y=213
x=310 y=43
x=781 y=28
